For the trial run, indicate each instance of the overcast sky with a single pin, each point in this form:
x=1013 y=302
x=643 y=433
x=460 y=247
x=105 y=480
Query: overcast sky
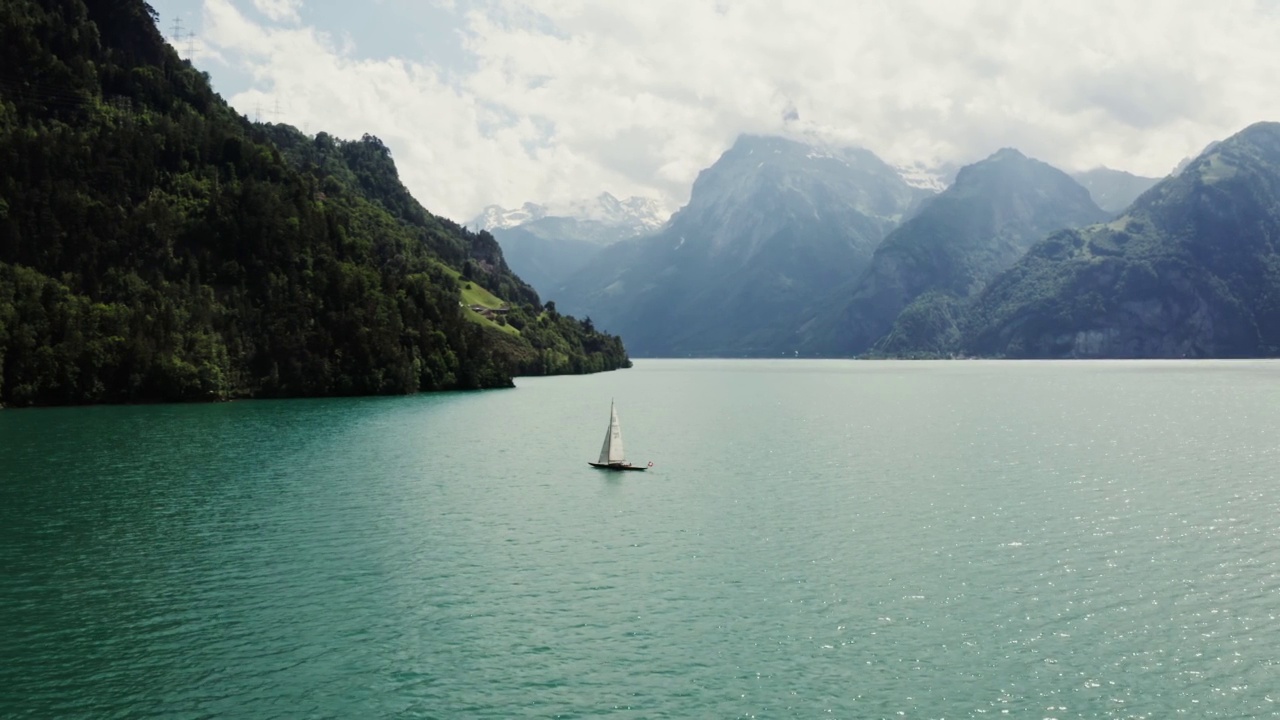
x=503 y=101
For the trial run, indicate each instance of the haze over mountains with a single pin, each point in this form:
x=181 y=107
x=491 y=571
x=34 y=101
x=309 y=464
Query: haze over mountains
x=155 y=245
x=1113 y=190
x=786 y=248
x=769 y=229
x=543 y=245
x=1191 y=269
x=981 y=225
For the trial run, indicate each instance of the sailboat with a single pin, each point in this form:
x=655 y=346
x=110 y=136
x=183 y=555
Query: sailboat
x=611 y=456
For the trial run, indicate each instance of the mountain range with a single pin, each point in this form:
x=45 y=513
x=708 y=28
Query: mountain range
x=790 y=249
x=983 y=223
x=156 y=245
x=773 y=225
x=1191 y=269
x=544 y=245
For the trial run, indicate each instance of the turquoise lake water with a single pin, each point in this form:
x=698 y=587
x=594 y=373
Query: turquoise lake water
x=816 y=539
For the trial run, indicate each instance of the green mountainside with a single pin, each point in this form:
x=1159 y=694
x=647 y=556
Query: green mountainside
x=1192 y=269
x=156 y=246
x=909 y=298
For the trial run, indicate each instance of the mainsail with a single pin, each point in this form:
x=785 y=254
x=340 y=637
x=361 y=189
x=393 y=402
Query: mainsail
x=611 y=451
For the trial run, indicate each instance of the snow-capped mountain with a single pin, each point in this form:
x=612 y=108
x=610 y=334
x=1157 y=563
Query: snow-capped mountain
x=625 y=218
x=935 y=179
x=495 y=217
x=544 y=244
x=638 y=214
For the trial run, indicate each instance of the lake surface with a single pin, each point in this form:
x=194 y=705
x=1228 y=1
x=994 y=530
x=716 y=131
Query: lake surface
x=816 y=539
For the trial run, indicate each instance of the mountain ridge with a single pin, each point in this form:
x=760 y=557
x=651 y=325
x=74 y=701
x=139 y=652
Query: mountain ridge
x=1192 y=269
x=771 y=225
x=632 y=216
x=959 y=240
x=544 y=246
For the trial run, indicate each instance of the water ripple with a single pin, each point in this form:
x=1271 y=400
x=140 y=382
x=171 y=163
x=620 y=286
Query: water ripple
x=817 y=539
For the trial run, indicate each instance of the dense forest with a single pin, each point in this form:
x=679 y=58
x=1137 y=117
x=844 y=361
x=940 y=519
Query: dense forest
x=157 y=246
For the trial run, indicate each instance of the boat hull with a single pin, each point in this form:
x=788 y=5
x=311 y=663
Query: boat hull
x=604 y=466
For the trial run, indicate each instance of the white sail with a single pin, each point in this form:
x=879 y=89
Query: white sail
x=611 y=451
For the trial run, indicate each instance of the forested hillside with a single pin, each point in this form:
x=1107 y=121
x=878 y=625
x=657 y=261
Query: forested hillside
x=156 y=246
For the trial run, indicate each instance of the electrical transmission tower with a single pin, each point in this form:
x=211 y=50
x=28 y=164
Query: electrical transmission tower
x=179 y=36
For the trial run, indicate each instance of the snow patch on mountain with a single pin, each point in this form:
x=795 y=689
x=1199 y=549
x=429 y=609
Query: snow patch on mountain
x=643 y=214
x=919 y=176
x=495 y=217
x=633 y=216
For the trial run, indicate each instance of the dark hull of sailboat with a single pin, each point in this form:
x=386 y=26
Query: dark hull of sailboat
x=603 y=466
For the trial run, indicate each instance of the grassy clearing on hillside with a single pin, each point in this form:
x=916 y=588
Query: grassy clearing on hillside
x=472 y=294
x=474 y=316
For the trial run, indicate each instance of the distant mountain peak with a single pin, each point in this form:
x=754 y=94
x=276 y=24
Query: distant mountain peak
x=496 y=217
x=758 y=167
x=1006 y=166
x=545 y=243
x=948 y=251
x=771 y=230
x=1007 y=152
x=635 y=215
x=641 y=213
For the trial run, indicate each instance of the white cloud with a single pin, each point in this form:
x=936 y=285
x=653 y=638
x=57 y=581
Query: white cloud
x=567 y=98
x=280 y=10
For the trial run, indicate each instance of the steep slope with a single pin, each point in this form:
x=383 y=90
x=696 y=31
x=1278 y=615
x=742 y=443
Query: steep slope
x=948 y=251
x=154 y=245
x=1113 y=190
x=771 y=226
x=1191 y=270
x=545 y=246
x=528 y=339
